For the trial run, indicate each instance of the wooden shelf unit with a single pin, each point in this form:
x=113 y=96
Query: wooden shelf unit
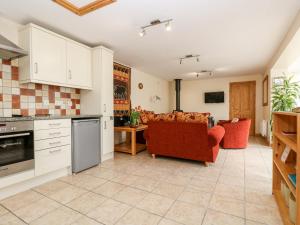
x=286 y=122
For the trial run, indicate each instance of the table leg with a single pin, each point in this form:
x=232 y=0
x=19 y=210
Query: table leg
x=133 y=143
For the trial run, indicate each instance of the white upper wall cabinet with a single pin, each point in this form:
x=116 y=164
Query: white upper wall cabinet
x=54 y=59
x=79 y=62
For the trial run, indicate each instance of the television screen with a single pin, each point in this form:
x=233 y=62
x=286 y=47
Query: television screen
x=214 y=97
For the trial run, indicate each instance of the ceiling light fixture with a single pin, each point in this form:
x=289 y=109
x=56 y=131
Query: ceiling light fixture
x=189 y=57
x=154 y=23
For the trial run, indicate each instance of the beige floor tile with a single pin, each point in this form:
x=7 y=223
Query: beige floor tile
x=249 y=222
x=86 y=221
x=86 y=202
x=145 y=183
x=178 y=180
x=203 y=185
x=261 y=198
x=156 y=204
x=37 y=209
x=259 y=185
x=195 y=197
x=168 y=222
x=139 y=217
x=109 y=189
x=10 y=219
x=168 y=190
x=231 y=191
x=228 y=205
x=20 y=200
x=186 y=213
x=130 y=196
x=231 y=180
x=51 y=187
x=103 y=173
x=263 y=214
x=2 y=210
x=125 y=179
x=109 y=212
x=217 y=218
x=60 y=216
x=66 y=195
x=84 y=181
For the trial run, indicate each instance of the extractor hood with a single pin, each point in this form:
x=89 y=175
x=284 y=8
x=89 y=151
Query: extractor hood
x=9 y=50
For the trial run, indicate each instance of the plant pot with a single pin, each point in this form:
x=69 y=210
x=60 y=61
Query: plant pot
x=292 y=209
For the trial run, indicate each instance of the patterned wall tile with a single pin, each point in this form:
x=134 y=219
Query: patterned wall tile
x=32 y=99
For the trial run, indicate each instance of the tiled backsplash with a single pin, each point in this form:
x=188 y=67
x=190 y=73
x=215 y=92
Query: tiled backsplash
x=31 y=99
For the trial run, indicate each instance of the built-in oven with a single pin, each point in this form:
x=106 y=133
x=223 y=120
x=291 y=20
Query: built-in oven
x=16 y=147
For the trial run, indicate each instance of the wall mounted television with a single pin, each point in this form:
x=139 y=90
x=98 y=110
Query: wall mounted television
x=214 y=97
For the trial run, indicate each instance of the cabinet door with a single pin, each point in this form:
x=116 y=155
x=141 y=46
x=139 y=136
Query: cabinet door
x=107 y=141
x=107 y=83
x=79 y=62
x=48 y=57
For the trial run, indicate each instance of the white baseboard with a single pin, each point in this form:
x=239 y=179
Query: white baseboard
x=107 y=156
x=27 y=180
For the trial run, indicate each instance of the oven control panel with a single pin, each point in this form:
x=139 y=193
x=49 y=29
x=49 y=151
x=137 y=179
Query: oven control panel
x=16 y=126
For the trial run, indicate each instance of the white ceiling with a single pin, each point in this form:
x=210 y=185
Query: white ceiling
x=233 y=37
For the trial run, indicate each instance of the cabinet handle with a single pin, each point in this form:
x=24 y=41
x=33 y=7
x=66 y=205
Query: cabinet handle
x=55 y=133
x=53 y=151
x=36 y=69
x=104 y=107
x=54 y=124
x=70 y=75
x=105 y=126
x=55 y=143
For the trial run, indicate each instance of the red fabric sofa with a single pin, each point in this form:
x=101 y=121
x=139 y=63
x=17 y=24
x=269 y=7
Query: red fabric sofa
x=236 y=134
x=184 y=140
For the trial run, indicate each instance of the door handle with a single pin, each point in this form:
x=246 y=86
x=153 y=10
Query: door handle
x=36 y=69
x=105 y=125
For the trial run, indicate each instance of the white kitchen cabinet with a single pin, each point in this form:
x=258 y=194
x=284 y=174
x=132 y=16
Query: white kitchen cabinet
x=52 y=145
x=79 y=62
x=107 y=137
x=100 y=99
x=54 y=59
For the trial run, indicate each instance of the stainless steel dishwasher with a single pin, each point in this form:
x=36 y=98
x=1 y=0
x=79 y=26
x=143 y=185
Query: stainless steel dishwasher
x=85 y=143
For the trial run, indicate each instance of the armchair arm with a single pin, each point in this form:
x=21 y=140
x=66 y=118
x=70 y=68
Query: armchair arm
x=215 y=135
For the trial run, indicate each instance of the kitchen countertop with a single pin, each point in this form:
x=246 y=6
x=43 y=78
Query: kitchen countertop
x=29 y=118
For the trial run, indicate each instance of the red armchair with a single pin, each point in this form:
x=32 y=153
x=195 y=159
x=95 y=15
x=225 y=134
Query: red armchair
x=236 y=134
x=184 y=140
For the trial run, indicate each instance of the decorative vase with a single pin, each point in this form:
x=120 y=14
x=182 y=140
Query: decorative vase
x=134 y=122
x=292 y=209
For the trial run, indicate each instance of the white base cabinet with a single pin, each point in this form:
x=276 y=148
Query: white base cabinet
x=52 y=145
x=54 y=59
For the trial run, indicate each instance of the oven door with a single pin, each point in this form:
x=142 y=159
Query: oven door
x=16 y=152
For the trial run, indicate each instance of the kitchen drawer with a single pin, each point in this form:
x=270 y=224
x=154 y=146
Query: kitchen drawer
x=52 y=159
x=52 y=143
x=52 y=133
x=51 y=124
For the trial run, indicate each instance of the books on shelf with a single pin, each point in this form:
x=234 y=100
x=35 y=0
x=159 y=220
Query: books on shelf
x=292 y=178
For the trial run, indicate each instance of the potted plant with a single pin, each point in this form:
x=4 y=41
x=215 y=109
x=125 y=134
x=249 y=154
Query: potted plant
x=134 y=117
x=285 y=94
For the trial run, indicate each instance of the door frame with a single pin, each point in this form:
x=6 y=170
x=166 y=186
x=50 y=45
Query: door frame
x=230 y=89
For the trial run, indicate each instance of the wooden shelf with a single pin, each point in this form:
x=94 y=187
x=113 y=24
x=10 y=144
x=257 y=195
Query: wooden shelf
x=285 y=170
x=284 y=211
x=289 y=140
x=289 y=122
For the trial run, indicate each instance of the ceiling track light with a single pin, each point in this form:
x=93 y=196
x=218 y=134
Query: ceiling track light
x=189 y=57
x=209 y=72
x=155 y=23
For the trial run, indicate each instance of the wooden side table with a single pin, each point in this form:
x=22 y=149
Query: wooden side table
x=130 y=146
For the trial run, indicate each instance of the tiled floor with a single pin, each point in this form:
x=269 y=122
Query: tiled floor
x=236 y=190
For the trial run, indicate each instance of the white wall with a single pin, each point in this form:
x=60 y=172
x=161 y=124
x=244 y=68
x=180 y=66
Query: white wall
x=152 y=86
x=9 y=29
x=192 y=96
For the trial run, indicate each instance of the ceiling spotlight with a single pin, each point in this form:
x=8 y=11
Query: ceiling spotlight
x=154 y=23
x=143 y=33
x=168 y=26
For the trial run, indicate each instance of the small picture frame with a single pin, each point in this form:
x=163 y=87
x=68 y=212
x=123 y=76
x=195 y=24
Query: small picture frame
x=266 y=91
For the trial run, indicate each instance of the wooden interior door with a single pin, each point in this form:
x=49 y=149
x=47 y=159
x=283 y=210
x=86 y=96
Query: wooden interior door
x=242 y=102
